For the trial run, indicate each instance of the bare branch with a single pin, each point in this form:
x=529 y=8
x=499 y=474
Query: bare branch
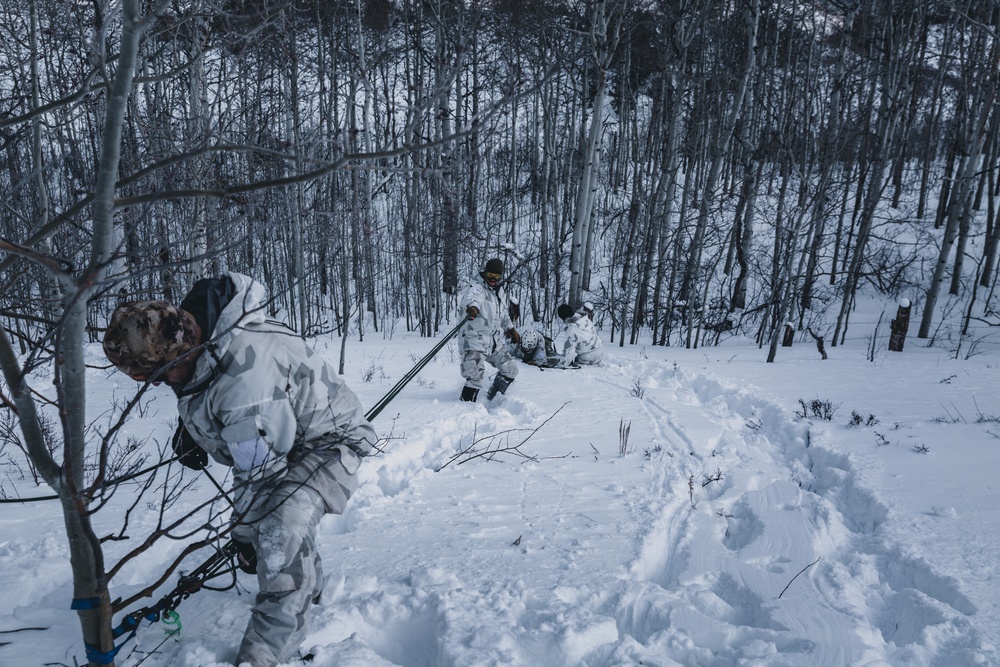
x=797 y=576
x=499 y=443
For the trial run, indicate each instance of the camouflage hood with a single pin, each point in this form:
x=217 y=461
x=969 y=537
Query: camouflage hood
x=246 y=307
x=259 y=382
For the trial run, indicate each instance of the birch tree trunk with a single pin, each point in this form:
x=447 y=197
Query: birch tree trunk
x=604 y=38
x=718 y=152
x=992 y=227
x=198 y=131
x=49 y=287
x=960 y=204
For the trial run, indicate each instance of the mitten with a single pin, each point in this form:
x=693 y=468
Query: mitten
x=514 y=336
x=188 y=451
x=472 y=312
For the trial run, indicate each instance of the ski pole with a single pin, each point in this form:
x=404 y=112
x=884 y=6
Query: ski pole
x=219 y=487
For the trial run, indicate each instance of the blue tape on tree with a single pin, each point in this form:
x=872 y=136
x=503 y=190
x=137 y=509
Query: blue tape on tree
x=85 y=603
x=101 y=657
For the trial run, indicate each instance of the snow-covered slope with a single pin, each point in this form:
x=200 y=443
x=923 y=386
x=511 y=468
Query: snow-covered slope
x=668 y=508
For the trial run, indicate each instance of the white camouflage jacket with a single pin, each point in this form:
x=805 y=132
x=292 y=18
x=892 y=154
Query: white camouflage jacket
x=259 y=395
x=582 y=344
x=486 y=332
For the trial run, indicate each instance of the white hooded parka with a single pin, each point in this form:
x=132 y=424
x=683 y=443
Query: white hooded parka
x=260 y=396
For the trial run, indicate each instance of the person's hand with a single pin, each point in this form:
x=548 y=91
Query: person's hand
x=514 y=336
x=246 y=556
x=189 y=453
x=472 y=312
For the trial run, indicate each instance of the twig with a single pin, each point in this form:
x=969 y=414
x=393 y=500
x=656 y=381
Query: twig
x=7 y=632
x=623 y=432
x=797 y=576
x=491 y=450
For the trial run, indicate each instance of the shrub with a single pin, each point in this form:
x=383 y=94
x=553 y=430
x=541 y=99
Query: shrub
x=817 y=408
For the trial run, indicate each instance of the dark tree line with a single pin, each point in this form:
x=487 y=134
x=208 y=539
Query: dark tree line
x=695 y=168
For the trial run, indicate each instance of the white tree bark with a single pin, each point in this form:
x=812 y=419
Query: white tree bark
x=959 y=208
x=605 y=40
x=719 y=151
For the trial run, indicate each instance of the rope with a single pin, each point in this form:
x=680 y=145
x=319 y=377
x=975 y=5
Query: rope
x=170 y=618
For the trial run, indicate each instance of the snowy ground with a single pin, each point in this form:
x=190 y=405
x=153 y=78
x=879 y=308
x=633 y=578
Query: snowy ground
x=724 y=530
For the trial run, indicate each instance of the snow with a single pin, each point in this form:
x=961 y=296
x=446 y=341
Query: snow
x=727 y=530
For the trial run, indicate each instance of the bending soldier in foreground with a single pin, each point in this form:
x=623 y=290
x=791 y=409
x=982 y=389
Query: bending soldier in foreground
x=254 y=396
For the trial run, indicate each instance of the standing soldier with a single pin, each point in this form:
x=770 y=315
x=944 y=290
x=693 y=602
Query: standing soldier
x=481 y=339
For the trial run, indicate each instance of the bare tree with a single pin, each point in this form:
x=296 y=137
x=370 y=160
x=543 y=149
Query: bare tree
x=605 y=26
x=67 y=476
x=976 y=107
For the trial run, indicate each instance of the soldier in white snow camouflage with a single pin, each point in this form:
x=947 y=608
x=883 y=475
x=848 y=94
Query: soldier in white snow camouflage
x=582 y=345
x=536 y=349
x=481 y=339
x=254 y=396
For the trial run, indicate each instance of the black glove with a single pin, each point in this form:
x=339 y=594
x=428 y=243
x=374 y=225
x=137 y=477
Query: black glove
x=189 y=453
x=246 y=557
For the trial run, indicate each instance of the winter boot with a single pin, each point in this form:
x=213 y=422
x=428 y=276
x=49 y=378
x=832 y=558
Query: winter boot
x=469 y=394
x=500 y=384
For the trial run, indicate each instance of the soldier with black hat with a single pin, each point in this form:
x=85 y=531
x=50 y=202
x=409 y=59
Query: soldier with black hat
x=481 y=338
x=581 y=345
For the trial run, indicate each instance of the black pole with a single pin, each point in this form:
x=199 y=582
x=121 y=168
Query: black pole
x=219 y=487
x=384 y=401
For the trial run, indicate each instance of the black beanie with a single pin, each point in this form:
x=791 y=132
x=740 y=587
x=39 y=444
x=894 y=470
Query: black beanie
x=495 y=265
x=564 y=311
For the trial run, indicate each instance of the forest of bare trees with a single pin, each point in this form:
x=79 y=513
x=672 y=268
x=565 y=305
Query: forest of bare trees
x=690 y=166
x=695 y=168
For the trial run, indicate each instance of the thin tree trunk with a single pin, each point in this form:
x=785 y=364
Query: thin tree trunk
x=959 y=208
x=719 y=149
x=605 y=38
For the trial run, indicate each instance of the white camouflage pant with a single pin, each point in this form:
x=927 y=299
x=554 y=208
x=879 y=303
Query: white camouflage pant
x=590 y=357
x=474 y=366
x=289 y=570
x=289 y=574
